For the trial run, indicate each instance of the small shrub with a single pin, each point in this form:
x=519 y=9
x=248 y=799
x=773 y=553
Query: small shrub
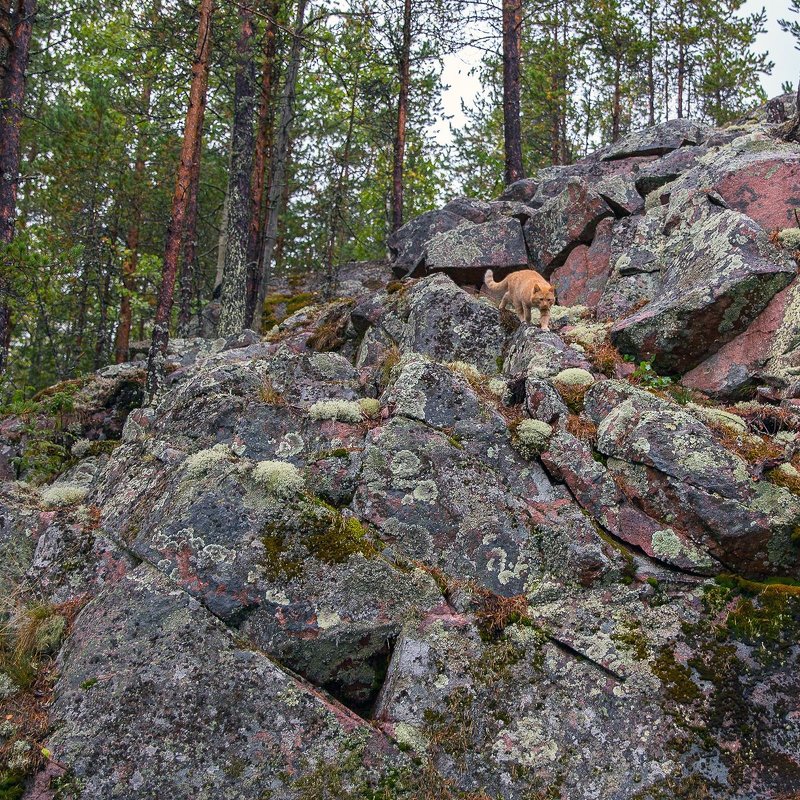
x=645 y=375
x=582 y=428
x=604 y=357
x=494 y=613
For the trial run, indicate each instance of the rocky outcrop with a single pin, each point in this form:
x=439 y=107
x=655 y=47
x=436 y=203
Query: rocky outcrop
x=405 y=546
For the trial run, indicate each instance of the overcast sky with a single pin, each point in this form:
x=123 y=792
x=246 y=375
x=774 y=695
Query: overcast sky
x=779 y=44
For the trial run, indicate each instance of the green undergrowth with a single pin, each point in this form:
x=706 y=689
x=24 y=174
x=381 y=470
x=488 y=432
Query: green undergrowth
x=278 y=307
x=314 y=529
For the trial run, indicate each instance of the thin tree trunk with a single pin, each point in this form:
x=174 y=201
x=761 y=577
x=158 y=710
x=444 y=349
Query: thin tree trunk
x=188 y=263
x=280 y=237
x=651 y=84
x=234 y=282
x=123 y=335
x=12 y=95
x=263 y=152
x=222 y=243
x=402 y=118
x=512 y=135
x=192 y=130
x=338 y=197
x=122 y=341
x=279 y=161
x=616 y=110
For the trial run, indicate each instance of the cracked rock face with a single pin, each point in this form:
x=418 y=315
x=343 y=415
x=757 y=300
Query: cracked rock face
x=456 y=556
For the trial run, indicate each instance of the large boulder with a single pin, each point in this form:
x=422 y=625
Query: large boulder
x=562 y=223
x=755 y=174
x=466 y=253
x=439 y=319
x=407 y=245
x=437 y=503
x=670 y=466
x=719 y=270
x=738 y=366
x=658 y=140
x=582 y=278
x=185 y=710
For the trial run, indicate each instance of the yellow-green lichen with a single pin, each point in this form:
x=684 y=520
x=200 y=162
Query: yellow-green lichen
x=278 y=478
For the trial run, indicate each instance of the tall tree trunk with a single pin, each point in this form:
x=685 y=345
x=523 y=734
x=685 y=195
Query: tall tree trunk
x=222 y=243
x=616 y=110
x=280 y=236
x=234 y=282
x=263 y=152
x=651 y=84
x=12 y=95
x=512 y=135
x=404 y=69
x=337 y=212
x=555 y=115
x=188 y=263
x=123 y=335
x=192 y=131
x=279 y=161
x=681 y=57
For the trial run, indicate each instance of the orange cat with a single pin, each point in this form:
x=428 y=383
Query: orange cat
x=523 y=290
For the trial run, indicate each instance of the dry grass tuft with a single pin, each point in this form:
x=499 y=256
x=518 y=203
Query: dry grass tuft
x=604 y=357
x=494 y=613
x=750 y=447
x=269 y=395
x=582 y=428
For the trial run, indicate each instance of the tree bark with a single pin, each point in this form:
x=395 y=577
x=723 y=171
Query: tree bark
x=192 y=131
x=234 y=283
x=404 y=69
x=651 y=84
x=616 y=110
x=188 y=263
x=263 y=152
x=12 y=95
x=337 y=211
x=279 y=161
x=512 y=135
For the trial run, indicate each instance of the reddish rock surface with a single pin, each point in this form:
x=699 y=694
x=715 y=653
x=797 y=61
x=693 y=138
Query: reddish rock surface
x=582 y=278
x=768 y=190
x=729 y=372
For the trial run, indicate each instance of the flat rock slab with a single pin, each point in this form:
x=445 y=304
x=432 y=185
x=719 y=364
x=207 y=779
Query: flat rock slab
x=466 y=253
x=658 y=139
x=562 y=223
x=437 y=504
x=718 y=272
x=654 y=175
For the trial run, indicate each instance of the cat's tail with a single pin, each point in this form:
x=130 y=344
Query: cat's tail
x=489 y=280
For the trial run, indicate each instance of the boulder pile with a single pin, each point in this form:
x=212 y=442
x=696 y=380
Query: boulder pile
x=406 y=546
x=684 y=238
